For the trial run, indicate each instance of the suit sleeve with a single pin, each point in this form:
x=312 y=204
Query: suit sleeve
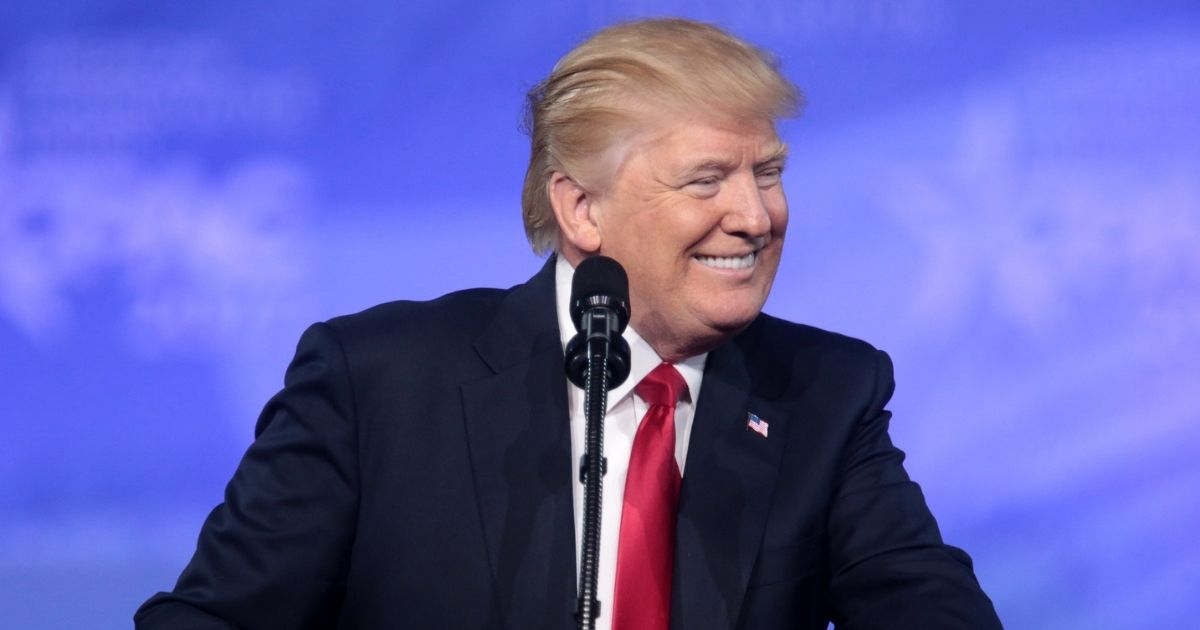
x=889 y=567
x=275 y=553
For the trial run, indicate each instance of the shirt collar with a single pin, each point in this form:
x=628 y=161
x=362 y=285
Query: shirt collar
x=642 y=358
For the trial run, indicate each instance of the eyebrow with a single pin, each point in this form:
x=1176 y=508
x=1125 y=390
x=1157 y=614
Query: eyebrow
x=779 y=155
x=709 y=164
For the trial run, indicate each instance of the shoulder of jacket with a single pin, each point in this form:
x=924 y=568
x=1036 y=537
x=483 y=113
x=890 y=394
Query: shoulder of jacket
x=771 y=336
x=460 y=314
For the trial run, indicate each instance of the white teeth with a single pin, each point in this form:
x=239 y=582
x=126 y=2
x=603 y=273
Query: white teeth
x=727 y=262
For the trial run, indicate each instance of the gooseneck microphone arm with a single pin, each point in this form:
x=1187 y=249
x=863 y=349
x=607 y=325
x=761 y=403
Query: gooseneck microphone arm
x=597 y=360
x=592 y=467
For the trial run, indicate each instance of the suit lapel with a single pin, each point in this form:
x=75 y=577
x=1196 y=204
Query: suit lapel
x=726 y=494
x=518 y=430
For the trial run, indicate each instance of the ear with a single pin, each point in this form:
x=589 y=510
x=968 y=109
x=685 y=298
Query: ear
x=574 y=210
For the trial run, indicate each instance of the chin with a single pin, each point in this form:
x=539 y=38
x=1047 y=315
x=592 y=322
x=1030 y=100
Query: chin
x=733 y=308
x=732 y=321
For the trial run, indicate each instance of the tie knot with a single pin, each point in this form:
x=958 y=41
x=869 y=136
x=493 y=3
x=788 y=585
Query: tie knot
x=662 y=386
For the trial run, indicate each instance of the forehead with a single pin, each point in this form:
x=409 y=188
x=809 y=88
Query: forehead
x=686 y=140
x=664 y=141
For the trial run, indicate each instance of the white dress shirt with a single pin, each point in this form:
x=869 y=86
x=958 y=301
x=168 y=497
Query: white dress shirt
x=625 y=411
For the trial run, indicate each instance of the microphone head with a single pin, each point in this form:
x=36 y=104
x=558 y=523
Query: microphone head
x=600 y=281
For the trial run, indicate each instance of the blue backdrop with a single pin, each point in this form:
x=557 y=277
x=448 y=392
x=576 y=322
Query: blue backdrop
x=1005 y=195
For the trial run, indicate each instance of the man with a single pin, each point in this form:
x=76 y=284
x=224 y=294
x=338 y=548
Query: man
x=417 y=468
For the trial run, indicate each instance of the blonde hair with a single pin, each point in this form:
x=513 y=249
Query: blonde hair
x=593 y=94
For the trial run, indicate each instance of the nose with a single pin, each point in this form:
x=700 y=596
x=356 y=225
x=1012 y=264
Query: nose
x=746 y=209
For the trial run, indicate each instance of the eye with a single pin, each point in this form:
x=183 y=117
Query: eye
x=704 y=185
x=768 y=177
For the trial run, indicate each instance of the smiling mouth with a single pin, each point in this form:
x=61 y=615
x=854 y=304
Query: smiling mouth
x=728 y=262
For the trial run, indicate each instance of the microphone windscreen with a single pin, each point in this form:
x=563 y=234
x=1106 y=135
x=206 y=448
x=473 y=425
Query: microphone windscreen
x=600 y=280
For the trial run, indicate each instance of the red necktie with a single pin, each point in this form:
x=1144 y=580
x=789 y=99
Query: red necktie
x=646 y=553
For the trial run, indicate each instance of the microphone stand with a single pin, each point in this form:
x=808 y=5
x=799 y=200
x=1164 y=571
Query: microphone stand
x=592 y=468
x=596 y=360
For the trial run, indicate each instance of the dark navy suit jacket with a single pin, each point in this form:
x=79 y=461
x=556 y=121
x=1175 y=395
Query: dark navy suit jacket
x=415 y=472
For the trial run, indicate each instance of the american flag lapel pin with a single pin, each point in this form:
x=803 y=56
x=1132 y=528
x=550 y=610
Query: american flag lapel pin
x=756 y=424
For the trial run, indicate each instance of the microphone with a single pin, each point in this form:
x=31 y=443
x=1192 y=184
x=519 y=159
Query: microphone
x=600 y=312
x=597 y=360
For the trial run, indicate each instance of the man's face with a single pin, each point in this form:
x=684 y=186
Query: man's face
x=696 y=214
